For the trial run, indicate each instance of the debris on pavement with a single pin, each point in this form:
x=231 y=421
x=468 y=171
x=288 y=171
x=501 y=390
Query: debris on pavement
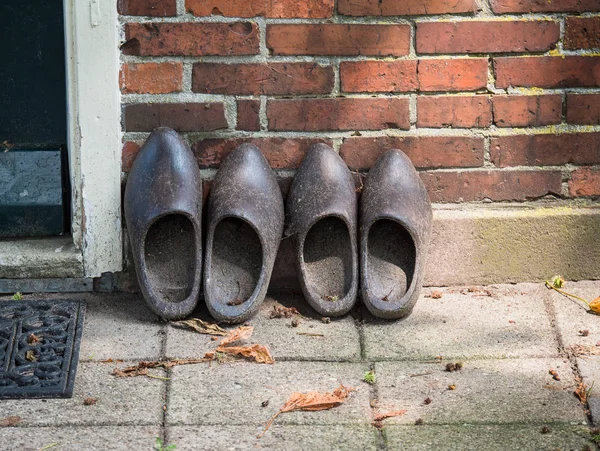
x=202 y=327
x=10 y=421
x=452 y=367
x=554 y=375
x=89 y=401
x=279 y=311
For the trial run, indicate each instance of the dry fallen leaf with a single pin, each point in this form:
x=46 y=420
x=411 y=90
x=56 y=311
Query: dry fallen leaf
x=436 y=295
x=33 y=339
x=89 y=401
x=581 y=392
x=280 y=311
x=595 y=305
x=312 y=402
x=200 y=326
x=10 y=421
x=241 y=333
x=141 y=369
x=393 y=413
x=256 y=352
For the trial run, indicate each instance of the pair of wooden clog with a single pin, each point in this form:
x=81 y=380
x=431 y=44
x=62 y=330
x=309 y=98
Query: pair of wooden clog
x=163 y=207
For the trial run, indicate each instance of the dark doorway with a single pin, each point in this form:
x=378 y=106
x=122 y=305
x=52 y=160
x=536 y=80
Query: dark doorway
x=33 y=119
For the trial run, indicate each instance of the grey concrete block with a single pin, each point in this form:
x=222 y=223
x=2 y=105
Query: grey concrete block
x=107 y=438
x=511 y=322
x=571 y=317
x=487 y=391
x=232 y=394
x=241 y=438
x=589 y=366
x=339 y=340
x=488 y=437
x=120 y=401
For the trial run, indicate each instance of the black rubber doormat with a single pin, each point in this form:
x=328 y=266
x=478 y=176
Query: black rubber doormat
x=39 y=348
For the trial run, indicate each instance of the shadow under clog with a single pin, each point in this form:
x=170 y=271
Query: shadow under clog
x=322 y=210
x=245 y=224
x=163 y=206
x=395 y=227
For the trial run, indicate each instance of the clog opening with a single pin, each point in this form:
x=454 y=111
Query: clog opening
x=328 y=259
x=236 y=261
x=170 y=254
x=390 y=260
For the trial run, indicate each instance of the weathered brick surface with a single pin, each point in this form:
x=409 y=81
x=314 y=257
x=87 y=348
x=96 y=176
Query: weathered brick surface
x=248 y=115
x=312 y=9
x=147 y=7
x=404 y=8
x=537 y=6
x=545 y=149
x=184 y=117
x=585 y=182
x=256 y=79
x=423 y=151
x=128 y=154
x=582 y=33
x=378 y=76
x=461 y=186
x=548 y=72
x=281 y=153
x=487 y=36
x=338 y=39
x=527 y=111
x=452 y=74
x=191 y=39
x=454 y=111
x=583 y=109
x=151 y=78
x=338 y=114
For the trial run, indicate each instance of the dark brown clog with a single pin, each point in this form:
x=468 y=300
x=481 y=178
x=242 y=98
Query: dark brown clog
x=245 y=225
x=322 y=215
x=395 y=227
x=163 y=205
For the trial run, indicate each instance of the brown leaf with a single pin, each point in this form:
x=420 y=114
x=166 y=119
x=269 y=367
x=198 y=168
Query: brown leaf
x=581 y=392
x=241 y=333
x=436 y=295
x=89 y=401
x=393 y=413
x=141 y=369
x=33 y=339
x=312 y=402
x=255 y=352
x=202 y=327
x=595 y=305
x=111 y=361
x=10 y=421
x=280 y=311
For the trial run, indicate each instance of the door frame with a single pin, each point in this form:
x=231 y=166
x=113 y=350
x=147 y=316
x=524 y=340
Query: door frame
x=94 y=132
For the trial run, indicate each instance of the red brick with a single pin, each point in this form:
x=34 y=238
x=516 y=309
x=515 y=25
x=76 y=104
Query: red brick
x=487 y=36
x=191 y=39
x=128 y=154
x=268 y=79
x=585 y=182
x=424 y=151
x=338 y=39
x=147 y=7
x=151 y=78
x=247 y=115
x=583 y=109
x=404 y=7
x=281 y=153
x=306 y=9
x=538 y=6
x=378 y=76
x=454 y=111
x=338 y=114
x=495 y=185
x=452 y=74
x=582 y=33
x=546 y=149
x=527 y=111
x=184 y=117
x=548 y=72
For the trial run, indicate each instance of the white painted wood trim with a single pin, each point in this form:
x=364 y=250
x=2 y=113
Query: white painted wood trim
x=94 y=132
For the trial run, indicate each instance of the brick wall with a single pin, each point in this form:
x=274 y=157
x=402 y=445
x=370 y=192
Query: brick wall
x=492 y=99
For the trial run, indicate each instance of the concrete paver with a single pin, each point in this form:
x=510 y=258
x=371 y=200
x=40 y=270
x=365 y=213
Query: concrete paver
x=511 y=322
x=492 y=391
x=589 y=366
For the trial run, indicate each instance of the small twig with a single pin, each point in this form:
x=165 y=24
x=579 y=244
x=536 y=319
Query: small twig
x=51 y=445
x=386 y=297
x=549 y=285
x=158 y=377
x=310 y=334
x=421 y=374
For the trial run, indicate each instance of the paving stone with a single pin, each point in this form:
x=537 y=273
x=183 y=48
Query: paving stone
x=488 y=437
x=487 y=391
x=234 y=438
x=102 y=438
x=232 y=394
x=589 y=366
x=120 y=401
x=120 y=326
x=510 y=322
x=340 y=340
x=571 y=317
